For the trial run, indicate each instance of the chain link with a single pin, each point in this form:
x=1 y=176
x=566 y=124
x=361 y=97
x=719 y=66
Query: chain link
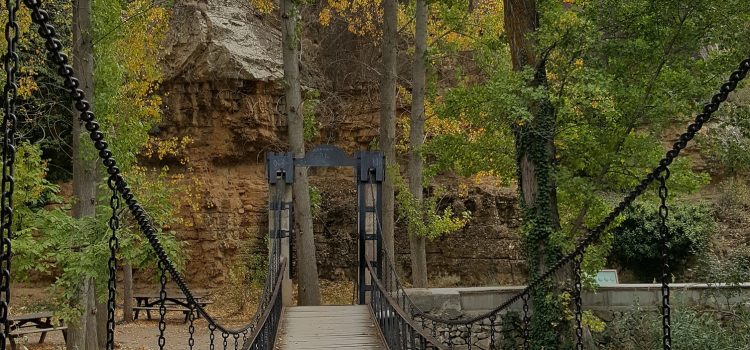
x=191 y=327
x=162 y=304
x=10 y=121
x=114 y=225
x=666 y=270
x=211 y=336
x=577 y=287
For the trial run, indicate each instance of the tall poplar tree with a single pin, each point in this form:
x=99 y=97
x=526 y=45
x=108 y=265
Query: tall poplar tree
x=307 y=269
x=83 y=334
x=388 y=117
x=417 y=242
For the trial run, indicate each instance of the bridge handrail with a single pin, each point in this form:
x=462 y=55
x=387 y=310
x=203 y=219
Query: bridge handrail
x=416 y=338
x=264 y=333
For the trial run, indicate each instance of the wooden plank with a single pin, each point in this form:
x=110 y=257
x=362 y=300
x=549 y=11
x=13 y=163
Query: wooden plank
x=33 y=316
x=329 y=327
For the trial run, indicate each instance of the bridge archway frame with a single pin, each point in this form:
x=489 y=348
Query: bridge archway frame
x=370 y=171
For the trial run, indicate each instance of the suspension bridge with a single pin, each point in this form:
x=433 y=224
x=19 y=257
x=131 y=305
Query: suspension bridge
x=385 y=317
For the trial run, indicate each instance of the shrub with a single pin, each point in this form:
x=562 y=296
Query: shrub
x=637 y=242
x=692 y=329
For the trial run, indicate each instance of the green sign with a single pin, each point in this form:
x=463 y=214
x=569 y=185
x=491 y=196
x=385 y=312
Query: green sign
x=607 y=278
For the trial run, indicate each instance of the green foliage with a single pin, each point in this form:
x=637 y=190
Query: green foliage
x=726 y=145
x=311 y=127
x=48 y=240
x=250 y=268
x=637 y=239
x=732 y=268
x=692 y=329
x=482 y=140
x=424 y=219
x=316 y=200
x=733 y=204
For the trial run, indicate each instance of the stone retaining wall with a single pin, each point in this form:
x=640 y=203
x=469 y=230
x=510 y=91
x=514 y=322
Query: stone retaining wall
x=453 y=302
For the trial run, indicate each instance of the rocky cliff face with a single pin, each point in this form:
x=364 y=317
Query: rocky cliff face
x=222 y=89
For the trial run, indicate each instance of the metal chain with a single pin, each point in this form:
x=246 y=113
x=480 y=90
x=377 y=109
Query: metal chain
x=114 y=225
x=577 y=287
x=54 y=46
x=211 y=336
x=191 y=327
x=10 y=121
x=665 y=275
x=71 y=83
x=162 y=304
x=526 y=326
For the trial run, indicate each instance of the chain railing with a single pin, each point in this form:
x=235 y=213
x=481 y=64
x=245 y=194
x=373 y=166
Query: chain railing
x=264 y=335
x=404 y=324
x=238 y=335
x=10 y=121
x=397 y=326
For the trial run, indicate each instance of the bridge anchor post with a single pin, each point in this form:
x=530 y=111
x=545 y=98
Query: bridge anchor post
x=280 y=175
x=370 y=176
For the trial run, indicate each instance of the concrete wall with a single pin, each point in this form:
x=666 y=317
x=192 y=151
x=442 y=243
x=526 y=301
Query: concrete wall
x=621 y=297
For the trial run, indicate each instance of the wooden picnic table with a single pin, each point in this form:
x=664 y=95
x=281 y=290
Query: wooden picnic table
x=152 y=302
x=40 y=322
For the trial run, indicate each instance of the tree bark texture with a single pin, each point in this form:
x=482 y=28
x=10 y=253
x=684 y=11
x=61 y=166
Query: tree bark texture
x=127 y=295
x=388 y=119
x=101 y=323
x=83 y=334
x=92 y=329
x=307 y=269
x=417 y=243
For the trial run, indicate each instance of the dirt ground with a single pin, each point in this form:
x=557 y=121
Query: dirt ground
x=231 y=308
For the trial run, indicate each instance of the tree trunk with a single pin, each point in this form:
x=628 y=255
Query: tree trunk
x=83 y=335
x=84 y=169
x=307 y=269
x=416 y=139
x=92 y=328
x=77 y=329
x=388 y=119
x=101 y=323
x=534 y=142
x=127 y=295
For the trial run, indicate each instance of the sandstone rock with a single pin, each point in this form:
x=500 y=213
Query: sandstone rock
x=220 y=40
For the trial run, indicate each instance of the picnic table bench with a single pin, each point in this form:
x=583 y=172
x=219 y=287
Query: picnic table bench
x=152 y=302
x=40 y=322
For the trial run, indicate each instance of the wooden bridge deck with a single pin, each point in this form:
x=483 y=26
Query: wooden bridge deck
x=328 y=327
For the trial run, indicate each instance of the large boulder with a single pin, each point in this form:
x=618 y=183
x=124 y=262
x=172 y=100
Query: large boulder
x=210 y=40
